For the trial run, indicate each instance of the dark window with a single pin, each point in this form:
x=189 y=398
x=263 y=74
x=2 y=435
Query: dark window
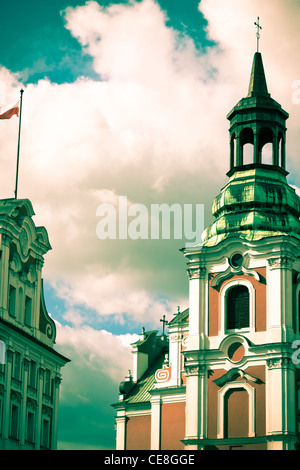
x=32 y=374
x=12 y=301
x=28 y=307
x=237 y=308
x=46 y=434
x=14 y=425
x=17 y=366
x=30 y=426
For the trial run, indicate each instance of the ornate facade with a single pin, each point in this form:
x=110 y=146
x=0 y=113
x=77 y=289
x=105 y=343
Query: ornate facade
x=29 y=365
x=226 y=378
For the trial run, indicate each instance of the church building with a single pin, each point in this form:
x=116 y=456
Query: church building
x=225 y=378
x=30 y=367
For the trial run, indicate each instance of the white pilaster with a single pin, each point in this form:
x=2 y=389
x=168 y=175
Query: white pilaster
x=280 y=397
x=121 y=430
x=196 y=403
x=279 y=300
x=175 y=357
x=155 y=422
x=197 y=307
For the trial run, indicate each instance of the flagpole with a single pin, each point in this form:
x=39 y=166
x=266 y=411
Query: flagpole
x=18 y=153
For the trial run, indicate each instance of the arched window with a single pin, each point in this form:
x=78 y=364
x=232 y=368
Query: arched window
x=12 y=301
x=267 y=154
x=231 y=405
x=236 y=413
x=246 y=146
x=266 y=146
x=238 y=308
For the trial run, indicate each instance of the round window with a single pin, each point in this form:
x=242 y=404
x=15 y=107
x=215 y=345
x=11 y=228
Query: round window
x=236 y=352
x=236 y=260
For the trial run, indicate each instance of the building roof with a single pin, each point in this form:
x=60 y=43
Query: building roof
x=180 y=318
x=21 y=206
x=140 y=392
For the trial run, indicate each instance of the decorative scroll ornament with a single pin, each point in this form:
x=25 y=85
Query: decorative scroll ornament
x=230 y=272
x=279 y=363
x=231 y=376
x=198 y=272
x=163 y=375
x=282 y=262
x=176 y=337
x=193 y=370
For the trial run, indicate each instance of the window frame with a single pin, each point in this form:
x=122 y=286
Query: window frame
x=221 y=406
x=223 y=303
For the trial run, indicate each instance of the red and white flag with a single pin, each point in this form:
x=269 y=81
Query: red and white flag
x=6 y=112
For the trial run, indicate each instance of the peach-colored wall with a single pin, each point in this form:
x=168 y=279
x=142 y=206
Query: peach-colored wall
x=172 y=426
x=138 y=432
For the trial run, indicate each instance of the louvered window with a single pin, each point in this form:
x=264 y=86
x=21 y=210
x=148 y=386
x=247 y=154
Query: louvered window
x=237 y=308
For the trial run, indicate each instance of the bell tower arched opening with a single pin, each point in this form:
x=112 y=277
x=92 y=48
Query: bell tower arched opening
x=265 y=146
x=246 y=151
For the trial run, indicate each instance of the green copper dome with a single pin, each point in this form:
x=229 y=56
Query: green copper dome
x=256 y=203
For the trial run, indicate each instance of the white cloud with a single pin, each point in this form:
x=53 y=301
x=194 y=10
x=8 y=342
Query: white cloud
x=95 y=349
x=154 y=130
x=100 y=361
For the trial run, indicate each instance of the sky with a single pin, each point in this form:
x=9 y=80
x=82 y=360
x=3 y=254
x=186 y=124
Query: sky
x=127 y=99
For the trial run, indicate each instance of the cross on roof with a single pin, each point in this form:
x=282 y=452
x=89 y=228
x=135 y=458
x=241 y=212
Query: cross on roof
x=178 y=311
x=164 y=322
x=258 y=32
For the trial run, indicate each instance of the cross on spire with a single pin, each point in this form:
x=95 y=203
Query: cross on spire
x=258 y=32
x=164 y=322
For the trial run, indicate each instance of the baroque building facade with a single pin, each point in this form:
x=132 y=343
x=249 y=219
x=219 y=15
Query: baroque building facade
x=30 y=367
x=225 y=377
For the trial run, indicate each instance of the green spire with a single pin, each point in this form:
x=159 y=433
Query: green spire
x=258 y=84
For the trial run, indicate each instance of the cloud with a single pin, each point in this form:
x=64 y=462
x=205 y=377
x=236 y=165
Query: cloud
x=90 y=385
x=84 y=140
x=144 y=131
x=153 y=129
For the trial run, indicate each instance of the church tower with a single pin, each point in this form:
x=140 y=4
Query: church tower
x=244 y=292
x=227 y=378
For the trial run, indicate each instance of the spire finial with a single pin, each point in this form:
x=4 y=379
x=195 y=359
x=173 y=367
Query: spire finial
x=258 y=32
